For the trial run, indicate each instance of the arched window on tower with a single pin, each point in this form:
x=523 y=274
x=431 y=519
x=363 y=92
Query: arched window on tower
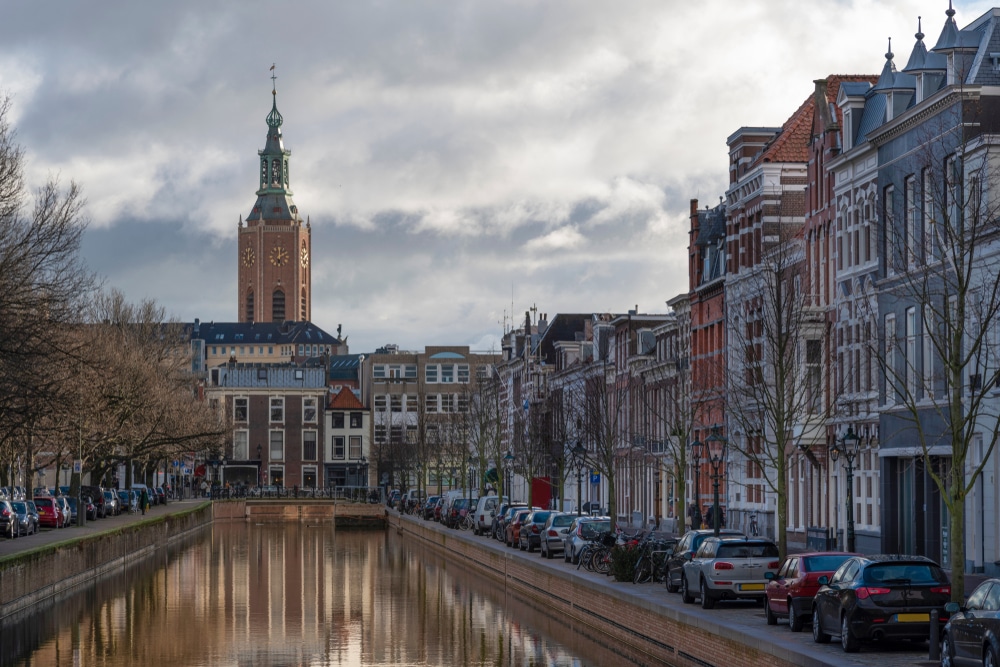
x=278 y=306
x=302 y=306
x=250 y=306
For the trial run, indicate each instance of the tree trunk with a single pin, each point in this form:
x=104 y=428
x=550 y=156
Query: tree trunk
x=956 y=537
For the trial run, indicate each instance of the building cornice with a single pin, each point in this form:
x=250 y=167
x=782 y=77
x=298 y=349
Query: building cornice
x=916 y=116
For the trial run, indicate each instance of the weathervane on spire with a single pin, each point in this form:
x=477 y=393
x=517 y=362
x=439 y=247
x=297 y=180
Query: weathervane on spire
x=273 y=77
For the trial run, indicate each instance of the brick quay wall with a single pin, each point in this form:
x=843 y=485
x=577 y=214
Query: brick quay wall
x=50 y=566
x=623 y=615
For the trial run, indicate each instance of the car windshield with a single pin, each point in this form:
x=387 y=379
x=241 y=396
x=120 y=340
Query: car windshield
x=824 y=563
x=904 y=574
x=20 y=507
x=751 y=550
x=592 y=529
x=563 y=520
x=540 y=517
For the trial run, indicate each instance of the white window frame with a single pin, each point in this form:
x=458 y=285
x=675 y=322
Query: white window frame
x=309 y=403
x=431 y=374
x=343 y=447
x=237 y=400
x=276 y=444
x=315 y=442
x=241 y=444
x=276 y=403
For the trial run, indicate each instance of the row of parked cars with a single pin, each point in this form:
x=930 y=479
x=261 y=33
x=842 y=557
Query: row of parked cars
x=56 y=508
x=854 y=597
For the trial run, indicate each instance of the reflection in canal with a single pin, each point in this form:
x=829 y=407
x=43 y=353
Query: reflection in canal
x=295 y=595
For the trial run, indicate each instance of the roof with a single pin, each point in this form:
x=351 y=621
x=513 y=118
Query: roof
x=259 y=333
x=345 y=400
x=345 y=366
x=792 y=143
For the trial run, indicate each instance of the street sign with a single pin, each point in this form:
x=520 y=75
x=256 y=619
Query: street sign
x=77 y=466
x=595 y=477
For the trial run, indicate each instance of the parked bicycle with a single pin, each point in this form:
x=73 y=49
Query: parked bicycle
x=652 y=563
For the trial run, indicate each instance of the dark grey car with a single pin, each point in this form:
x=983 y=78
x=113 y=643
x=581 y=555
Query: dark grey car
x=27 y=516
x=554 y=532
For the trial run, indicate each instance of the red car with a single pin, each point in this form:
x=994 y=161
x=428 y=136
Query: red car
x=513 y=530
x=49 y=513
x=790 y=592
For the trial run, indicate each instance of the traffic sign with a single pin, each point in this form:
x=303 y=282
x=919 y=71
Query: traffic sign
x=595 y=477
x=77 y=466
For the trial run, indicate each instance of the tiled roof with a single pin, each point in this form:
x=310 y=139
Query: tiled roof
x=345 y=400
x=792 y=143
x=259 y=333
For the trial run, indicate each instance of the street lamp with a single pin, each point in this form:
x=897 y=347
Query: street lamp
x=717 y=446
x=696 y=449
x=260 y=464
x=579 y=454
x=508 y=469
x=848 y=448
x=472 y=462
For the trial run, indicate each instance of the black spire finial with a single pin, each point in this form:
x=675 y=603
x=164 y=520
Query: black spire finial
x=920 y=32
x=889 y=54
x=273 y=77
x=274 y=118
x=951 y=11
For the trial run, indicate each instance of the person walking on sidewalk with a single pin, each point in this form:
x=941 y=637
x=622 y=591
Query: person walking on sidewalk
x=144 y=501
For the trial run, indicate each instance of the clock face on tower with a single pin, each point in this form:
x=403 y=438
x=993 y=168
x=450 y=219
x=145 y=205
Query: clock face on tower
x=248 y=257
x=304 y=257
x=279 y=256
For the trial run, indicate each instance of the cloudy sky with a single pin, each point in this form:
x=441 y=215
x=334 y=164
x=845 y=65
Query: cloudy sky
x=458 y=160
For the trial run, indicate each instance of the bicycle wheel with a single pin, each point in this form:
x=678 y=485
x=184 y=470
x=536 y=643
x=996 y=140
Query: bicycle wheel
x=643 y=571
x=602 y=561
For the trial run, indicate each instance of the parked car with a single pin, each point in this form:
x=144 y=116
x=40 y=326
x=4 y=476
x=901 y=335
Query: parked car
x=972 y=635
x=72 y=508
x=728 y=568
x=427 y=511
x=111 y=502
x=686 y=548
x=161 y=495
x=129 y=501
x=456 y=512
x=438 y=510
x=553 y=532
x=503 y=516
x=483 y=514
x=63 y=503
x=48 y=512
x=27 y=516
x=529 y=537
x=8 y=519
x=790 y=592
x=581 y=531
x=512 y=535
x=879 y=597
x=392 y=499
x=96 y=495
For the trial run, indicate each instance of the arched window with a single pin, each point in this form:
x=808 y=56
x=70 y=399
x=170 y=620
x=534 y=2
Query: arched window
x=250 y=306
x=302 y=306
x=278 y=306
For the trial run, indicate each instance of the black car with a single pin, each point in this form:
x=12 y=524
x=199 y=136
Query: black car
x=879 y=597
x=972 y=636
x=96 y=495
x=8 y=519
x=685 y=550
x=530 y=536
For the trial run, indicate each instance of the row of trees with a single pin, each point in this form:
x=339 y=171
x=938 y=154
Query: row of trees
x=83 y=373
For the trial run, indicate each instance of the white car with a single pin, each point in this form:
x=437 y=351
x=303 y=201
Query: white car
x=729 y=568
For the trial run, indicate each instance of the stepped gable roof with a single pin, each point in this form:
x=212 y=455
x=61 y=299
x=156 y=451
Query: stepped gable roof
x=260 y=333
x=345 y=400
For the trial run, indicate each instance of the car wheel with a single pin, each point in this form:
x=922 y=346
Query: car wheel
x=575 y=560
x=768 y=614
x=671 y=586
x=819 y=636
x=548 y=554
x=707 y=601
x=686 y=596
x=990 y=659
x=795 y=621
x=848 y=641
x=947 y=652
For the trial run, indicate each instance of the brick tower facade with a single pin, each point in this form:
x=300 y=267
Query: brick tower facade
x=274 y=246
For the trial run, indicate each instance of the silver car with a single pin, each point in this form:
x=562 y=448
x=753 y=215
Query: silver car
x=553 y=533
x=583 y=530
x=728 y=568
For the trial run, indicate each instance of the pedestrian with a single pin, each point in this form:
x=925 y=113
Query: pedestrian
x=710 y=516
x=144 y=500
x=694 y=515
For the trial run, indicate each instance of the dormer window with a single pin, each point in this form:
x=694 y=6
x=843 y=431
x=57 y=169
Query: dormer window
x=995 y=59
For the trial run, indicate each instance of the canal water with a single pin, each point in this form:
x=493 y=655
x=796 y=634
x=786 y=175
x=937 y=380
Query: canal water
x=293 y=594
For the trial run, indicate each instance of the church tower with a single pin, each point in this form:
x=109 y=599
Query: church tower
x=274 y=247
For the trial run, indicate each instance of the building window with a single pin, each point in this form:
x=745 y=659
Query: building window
x=396 y=403
x=814 y=375
x=355 y=420
x=447 y=373
x=463 y=403
x=463 y=373
x=927 y=216
x=309 y=410
x=447 y=402
x=338 y=419
x=355 y=447
x=250 y=306
x=911 y=352
x=378 y=371
x=241 y=409
x=890 y=359
x=928 y=352
x=309 y=445
x=431 y=374
x=241 y=448
x=430 y=403
x=338 y=447
x=892 y=245
x=912 y=223
x=410 y=371
x=278 y=306
x=277 y=441
x=277 y=410
x=304 y=301
x=380 y=434
x=380 y=403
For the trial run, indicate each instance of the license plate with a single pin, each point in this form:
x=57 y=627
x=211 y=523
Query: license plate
x=751 y=587
x=913 y=618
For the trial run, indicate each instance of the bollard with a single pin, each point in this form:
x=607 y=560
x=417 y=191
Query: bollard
x=935 y=641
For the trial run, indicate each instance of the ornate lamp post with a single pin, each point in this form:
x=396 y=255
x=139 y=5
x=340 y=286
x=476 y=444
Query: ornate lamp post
x=579 y=454
x=508 y=469
x=717 y=446
x=848 y=448
x=696 y=449
x=472 y=462
x=260 y=465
